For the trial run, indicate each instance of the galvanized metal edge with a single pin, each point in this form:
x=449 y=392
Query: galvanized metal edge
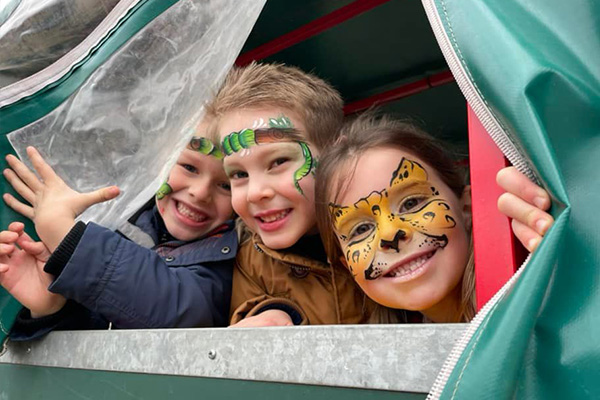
x=389 y=357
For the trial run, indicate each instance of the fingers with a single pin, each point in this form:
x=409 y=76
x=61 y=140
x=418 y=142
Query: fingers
x=43 y=169
x=21 y=208
x=37 y=249
x=529 y=222
x=17 y=227
x=8 y=237
x=527 y=236
x=99 y=196
x=19 y=186
x=511 y=180
x=24 y=173
x=6 y=249
x=527 y=214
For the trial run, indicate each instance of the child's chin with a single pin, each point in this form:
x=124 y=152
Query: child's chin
x=278 y=242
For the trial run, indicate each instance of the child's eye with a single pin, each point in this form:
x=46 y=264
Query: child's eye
x=190 y=168
x=225 y=186
x=361 y=230
x=410 y=204
x=279 y=162
x=238 y=175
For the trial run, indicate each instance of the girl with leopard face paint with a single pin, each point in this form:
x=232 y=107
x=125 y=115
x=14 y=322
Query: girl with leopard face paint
x=395 y=212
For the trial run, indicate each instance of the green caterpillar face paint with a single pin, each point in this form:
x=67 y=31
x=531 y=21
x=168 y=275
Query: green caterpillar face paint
x=279 y=129
x=164 y=190
x=205 y=146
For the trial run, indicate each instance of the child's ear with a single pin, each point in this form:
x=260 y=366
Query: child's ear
x=465 y=203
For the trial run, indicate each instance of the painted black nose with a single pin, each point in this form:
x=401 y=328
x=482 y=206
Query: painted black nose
x=393 y=244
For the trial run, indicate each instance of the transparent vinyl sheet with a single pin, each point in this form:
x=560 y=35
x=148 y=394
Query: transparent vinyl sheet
x=35 y=33
x=127 y=123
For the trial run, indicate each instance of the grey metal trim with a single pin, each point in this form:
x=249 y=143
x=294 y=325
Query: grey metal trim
x=391 y=357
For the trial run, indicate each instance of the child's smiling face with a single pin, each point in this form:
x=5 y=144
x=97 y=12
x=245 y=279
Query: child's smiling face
x=272 y=186
x=199 y=199
x=402 y=232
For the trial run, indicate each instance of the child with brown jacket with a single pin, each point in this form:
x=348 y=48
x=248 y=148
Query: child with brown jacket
x=272 y=120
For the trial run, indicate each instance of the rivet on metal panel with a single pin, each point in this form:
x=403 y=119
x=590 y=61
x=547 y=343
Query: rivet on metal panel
x=212 y=354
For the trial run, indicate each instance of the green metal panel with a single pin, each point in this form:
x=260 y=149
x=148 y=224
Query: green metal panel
x=24 y=382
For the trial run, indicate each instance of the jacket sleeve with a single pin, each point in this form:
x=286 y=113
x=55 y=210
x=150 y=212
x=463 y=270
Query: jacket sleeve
x=72 y=316
x=250 y=298
x=134 y=287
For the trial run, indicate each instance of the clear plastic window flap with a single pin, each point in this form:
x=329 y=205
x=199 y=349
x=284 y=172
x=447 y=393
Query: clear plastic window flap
x=132 y=116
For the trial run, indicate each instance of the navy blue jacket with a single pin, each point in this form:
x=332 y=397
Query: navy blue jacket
x=173 y=284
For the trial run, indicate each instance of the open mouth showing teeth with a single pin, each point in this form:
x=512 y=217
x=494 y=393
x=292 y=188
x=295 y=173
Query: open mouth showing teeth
x=194 y=216
x=275 y=217
x=411 y=266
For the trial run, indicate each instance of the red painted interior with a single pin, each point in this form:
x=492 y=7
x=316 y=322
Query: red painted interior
x=313 y=28
x=497 y=252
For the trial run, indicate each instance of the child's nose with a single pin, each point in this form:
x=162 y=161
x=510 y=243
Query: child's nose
x=200 y=190
x=259 y=189
x=392 y=239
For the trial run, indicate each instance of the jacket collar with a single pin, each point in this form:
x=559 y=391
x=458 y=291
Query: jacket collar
x=287 y=257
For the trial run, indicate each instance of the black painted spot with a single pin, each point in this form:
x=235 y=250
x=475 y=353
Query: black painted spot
x=355 y=256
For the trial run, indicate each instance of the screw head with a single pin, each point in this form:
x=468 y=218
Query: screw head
x=212 y=354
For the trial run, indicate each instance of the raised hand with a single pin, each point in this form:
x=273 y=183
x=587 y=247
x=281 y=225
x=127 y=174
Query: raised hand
x=53 y=205
x=526 y=203
x=22 y=273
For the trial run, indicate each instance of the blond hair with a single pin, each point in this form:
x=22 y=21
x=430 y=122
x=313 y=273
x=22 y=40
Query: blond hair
x=310 y=98
x=336 y=169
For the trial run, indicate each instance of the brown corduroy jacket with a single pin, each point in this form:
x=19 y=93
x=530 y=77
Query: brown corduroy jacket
x=263 y=277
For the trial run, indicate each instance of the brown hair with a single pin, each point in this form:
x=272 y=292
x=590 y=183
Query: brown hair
x=312 y=99
x=337 y=167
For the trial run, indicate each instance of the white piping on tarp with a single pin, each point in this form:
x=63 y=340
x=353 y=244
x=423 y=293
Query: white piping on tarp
x=36 y=82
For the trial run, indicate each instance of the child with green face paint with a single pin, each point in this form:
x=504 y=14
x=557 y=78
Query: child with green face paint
x=394 y=211
x=178 y=274
x=272 y=120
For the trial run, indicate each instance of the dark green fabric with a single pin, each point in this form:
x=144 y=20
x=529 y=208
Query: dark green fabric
x=537 y=65
x=27 y=110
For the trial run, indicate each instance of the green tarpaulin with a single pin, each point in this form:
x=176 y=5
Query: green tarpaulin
x=534 y=66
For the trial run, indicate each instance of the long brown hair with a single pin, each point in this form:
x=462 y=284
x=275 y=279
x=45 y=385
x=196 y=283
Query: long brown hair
x=337 y=166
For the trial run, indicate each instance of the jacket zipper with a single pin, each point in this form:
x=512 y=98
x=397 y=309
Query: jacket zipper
x=509 y=149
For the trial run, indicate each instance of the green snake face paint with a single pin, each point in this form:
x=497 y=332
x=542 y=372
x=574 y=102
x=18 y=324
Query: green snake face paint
x=401 y=236
x=279 y=129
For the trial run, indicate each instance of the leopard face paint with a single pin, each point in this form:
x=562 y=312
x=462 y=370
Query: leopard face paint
x=394 y=231
x=278 y=129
